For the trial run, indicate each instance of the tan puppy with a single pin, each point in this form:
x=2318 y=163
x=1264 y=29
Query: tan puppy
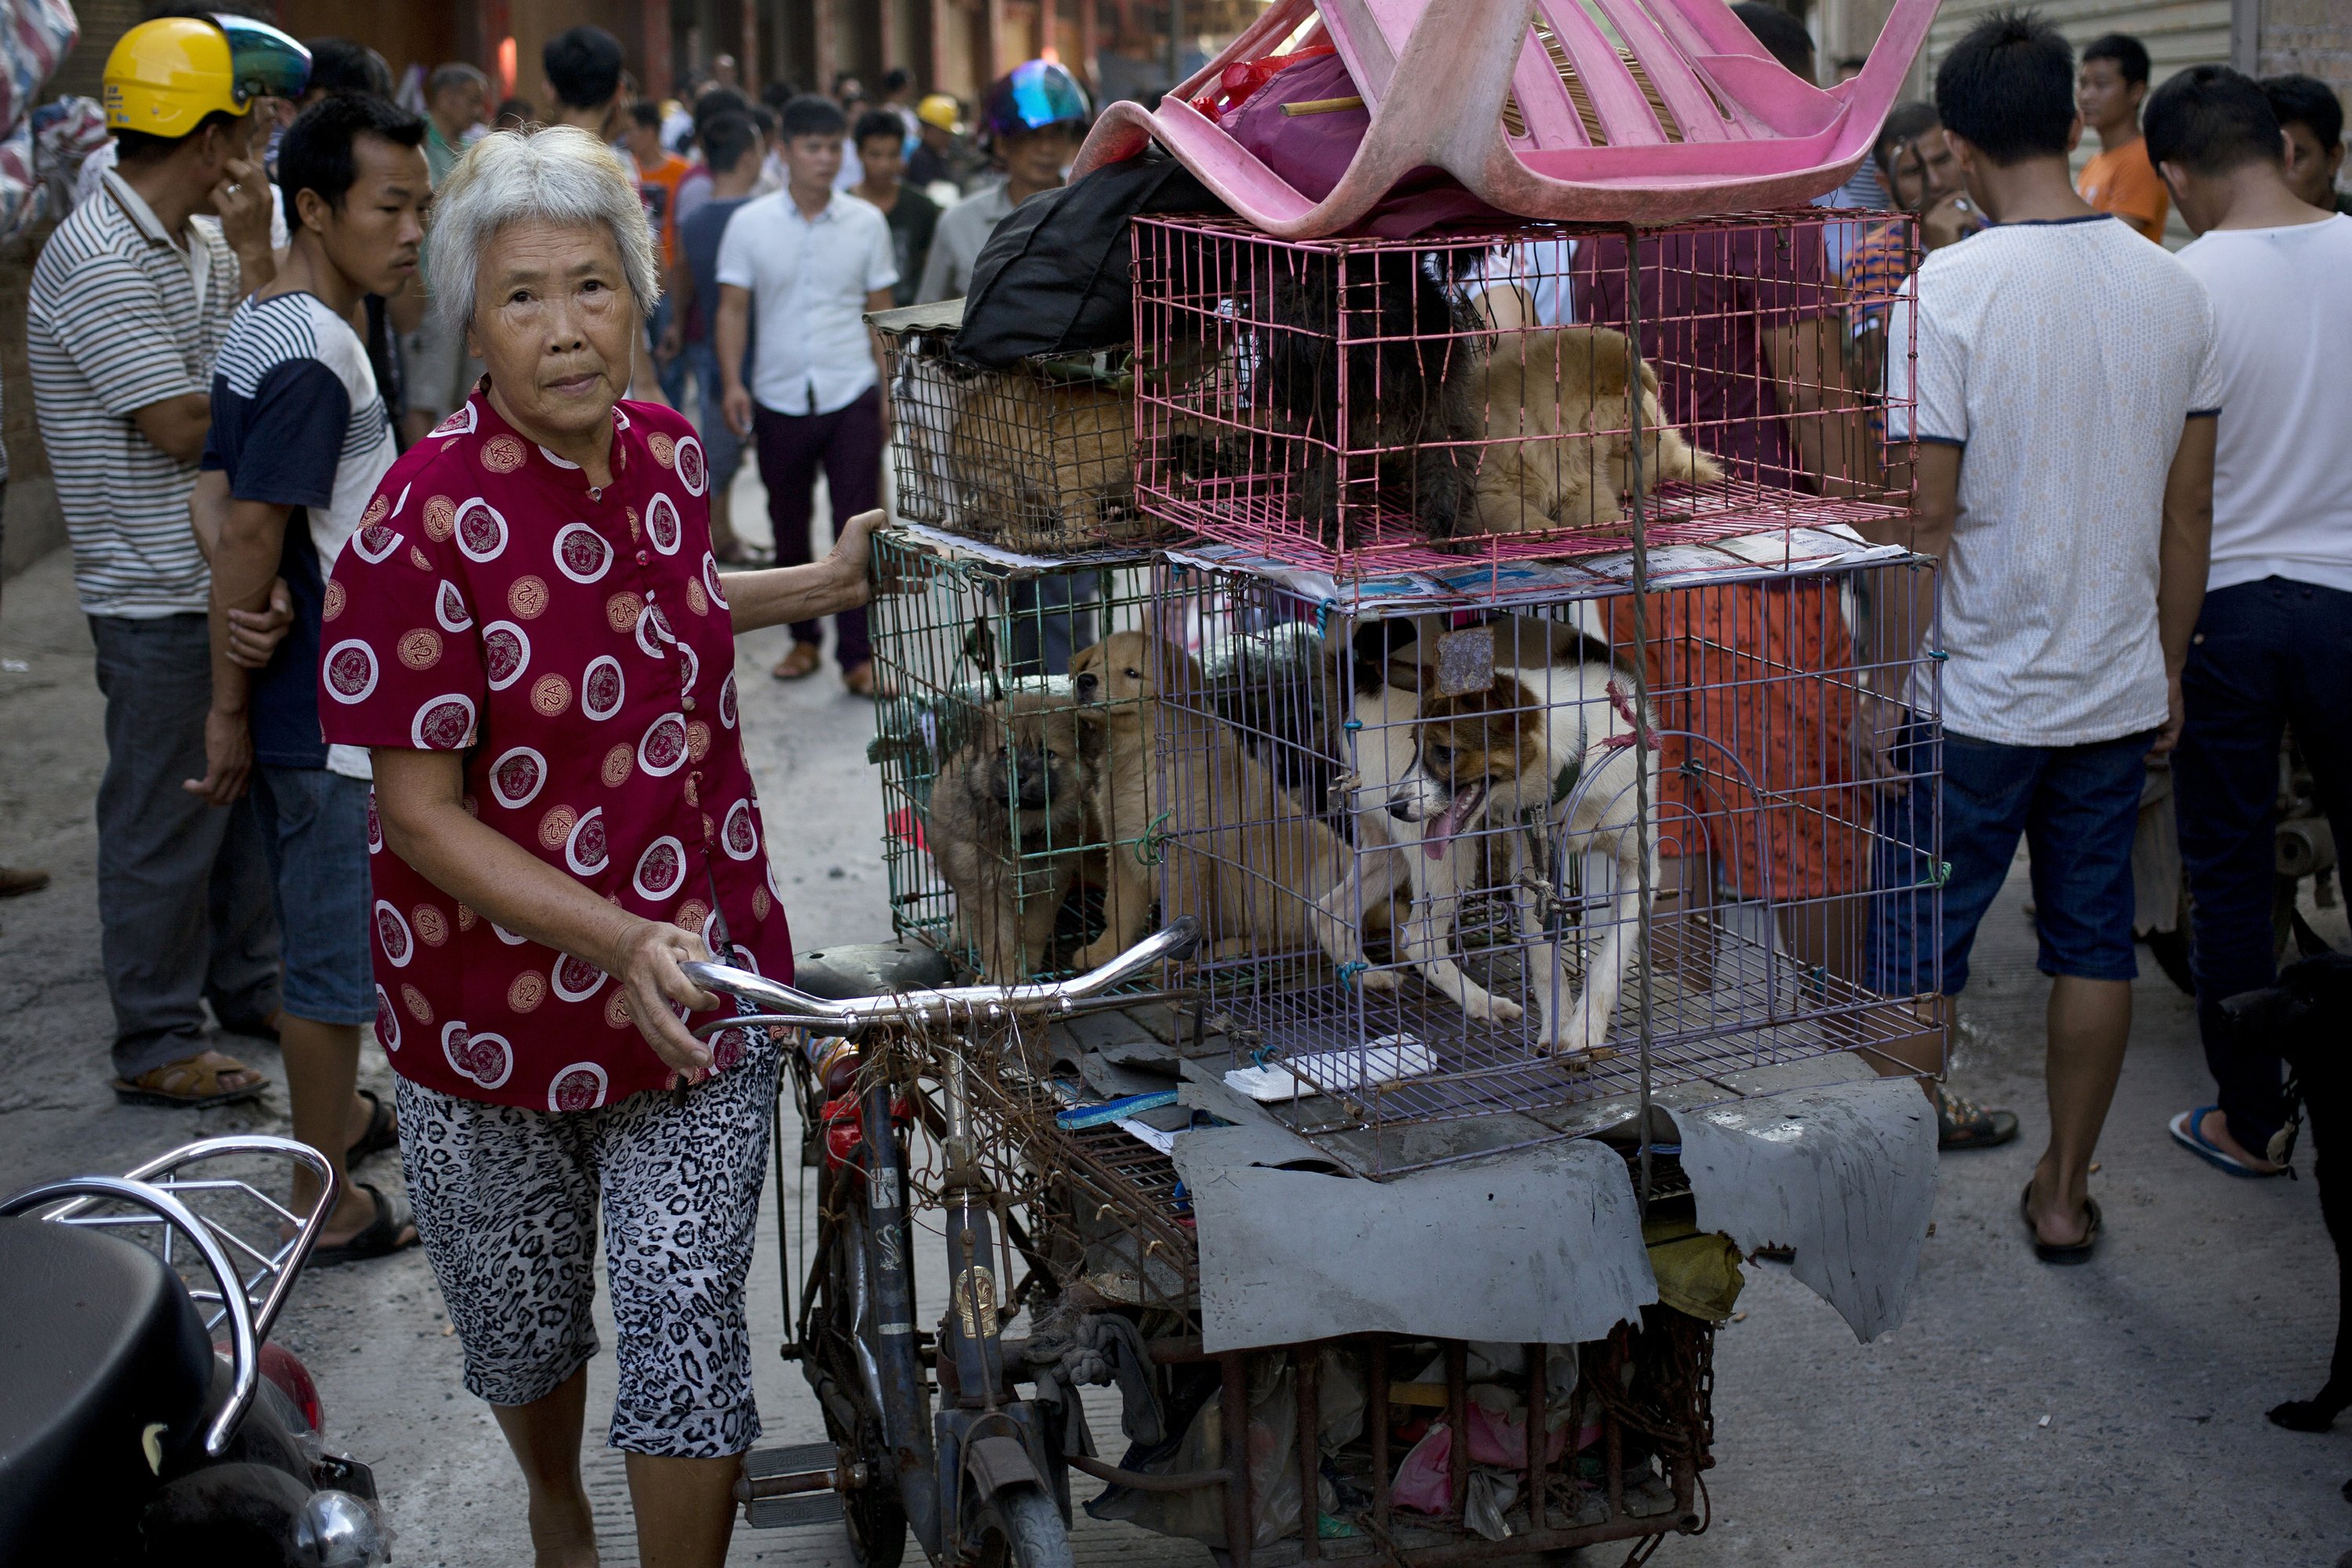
x=1033 y=457
x=1558 y=422
x=1007 y=827
x=1243 y=857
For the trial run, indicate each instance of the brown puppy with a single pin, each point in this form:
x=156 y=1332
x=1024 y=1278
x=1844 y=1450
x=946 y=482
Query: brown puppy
x=1557 y=432
x=1243 y=857
x=1035 y=458
x=1007 y=827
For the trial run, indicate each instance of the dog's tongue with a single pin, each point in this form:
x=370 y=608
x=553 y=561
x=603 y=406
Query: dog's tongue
x=1448 y=823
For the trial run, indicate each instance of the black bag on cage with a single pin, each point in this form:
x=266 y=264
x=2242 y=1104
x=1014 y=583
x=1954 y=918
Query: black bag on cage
x=1053 y=276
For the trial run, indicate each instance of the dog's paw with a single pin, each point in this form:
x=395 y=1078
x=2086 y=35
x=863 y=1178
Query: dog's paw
x=2303 y=1415
x=1377 y=979
x=1496 y=1009
x=1094 y=955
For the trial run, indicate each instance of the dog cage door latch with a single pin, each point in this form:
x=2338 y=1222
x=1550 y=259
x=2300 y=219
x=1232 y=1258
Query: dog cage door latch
x=1465 y=661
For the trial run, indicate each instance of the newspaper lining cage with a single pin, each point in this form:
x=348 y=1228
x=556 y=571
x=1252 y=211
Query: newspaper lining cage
x=1415 y=833
x=1371 y=404
x=995 y=850
x=1039 y=458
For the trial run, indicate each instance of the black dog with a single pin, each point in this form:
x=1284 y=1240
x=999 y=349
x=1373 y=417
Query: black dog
x=2305 y=1018
x=1382 y=324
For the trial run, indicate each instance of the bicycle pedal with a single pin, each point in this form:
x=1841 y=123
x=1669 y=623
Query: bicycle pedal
x=794 y=1512
x=794 y=1509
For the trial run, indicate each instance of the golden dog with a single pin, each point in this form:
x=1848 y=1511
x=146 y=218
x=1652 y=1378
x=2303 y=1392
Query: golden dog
x=1557 y=430
x=1247 y=860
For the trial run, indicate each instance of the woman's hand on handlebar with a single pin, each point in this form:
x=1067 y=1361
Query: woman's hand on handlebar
x=651 y=952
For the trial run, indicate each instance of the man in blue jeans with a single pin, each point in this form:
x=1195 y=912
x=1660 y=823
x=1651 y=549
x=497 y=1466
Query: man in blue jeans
x=2271 y=640
x=2065 y=396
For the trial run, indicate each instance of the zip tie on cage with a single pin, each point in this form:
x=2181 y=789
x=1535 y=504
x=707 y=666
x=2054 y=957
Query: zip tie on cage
x=1148 y=851
x=1352 y=723
x=1349 y=970
x=1937 y=878
x=1939 y=653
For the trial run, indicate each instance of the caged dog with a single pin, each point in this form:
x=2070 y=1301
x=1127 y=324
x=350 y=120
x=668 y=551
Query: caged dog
x=1544 y=761
x=2303 y=1019
x=1251 y=871
x=1037 y=457
x=1540 y=390
x=1406 y=365
x=1008 y=823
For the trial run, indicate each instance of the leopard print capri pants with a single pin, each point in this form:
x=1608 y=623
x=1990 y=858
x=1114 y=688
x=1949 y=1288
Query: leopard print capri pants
x=507 y=1202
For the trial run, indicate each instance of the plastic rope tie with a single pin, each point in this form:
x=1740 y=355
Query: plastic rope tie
x=1148 y=851
x=1348 y=971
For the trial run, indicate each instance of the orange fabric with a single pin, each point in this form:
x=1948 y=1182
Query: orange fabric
x=657 y=186
x=2123 y=182
x=1766 y=677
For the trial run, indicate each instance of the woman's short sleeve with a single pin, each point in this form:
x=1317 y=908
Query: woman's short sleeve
x=400 y=659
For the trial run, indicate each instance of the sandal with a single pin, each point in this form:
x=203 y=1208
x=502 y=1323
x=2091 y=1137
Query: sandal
x=860 y=682
x=381 y=1133
x=2060 y=1251
x=16 y=880
x=191 y=1083
x=379 y=1237
x=799 y=664
x=2188 y=1132
x=1964 y=1124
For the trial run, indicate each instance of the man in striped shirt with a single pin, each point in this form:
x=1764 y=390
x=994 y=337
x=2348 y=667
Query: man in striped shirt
x=130 y=303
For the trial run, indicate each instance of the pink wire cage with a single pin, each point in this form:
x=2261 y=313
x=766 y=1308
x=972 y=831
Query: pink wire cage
x=1600 y=110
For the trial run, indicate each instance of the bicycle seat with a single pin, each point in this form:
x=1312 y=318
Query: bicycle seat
x=852 y=970
x=1607 y=111
x=98 y=1341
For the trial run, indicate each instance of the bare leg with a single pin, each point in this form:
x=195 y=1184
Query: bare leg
x=2089 y=1023
x=686 y=1509
x=323 y=1070
x=545 y=1438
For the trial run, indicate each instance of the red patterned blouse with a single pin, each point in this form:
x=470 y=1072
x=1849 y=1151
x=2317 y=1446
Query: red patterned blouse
x=575 y=644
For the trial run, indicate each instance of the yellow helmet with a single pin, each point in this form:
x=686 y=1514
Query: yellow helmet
x=940 y=111
x=165 y=76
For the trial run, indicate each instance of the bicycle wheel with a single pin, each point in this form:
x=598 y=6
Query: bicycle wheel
x=1020 y=1528
x=872 y=1515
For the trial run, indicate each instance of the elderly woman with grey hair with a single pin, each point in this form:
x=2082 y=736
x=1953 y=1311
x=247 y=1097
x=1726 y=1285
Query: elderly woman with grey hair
x=531 y=634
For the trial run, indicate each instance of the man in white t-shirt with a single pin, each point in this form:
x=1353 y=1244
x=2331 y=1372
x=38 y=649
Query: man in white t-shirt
x=2277 y=621
x=810 y=261
x=2065 y=401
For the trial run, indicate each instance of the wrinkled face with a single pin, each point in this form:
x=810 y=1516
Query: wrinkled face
x=1472 y=747
x=1124 y=668
x=554 y=322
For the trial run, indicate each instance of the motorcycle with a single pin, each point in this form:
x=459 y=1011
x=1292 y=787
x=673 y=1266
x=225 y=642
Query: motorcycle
x=129 y=1438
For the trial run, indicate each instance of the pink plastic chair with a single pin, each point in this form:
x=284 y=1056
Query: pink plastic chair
x=1538 y=111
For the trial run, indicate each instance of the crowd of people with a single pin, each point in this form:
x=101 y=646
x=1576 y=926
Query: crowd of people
x=295 y=428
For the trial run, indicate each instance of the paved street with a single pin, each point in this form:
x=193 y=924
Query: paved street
x=2111 y=1414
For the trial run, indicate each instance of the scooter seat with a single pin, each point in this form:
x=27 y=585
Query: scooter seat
x=854 y=969
x=106 y=1362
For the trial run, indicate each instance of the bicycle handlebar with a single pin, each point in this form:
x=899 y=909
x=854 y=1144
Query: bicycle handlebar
x=782 y=1004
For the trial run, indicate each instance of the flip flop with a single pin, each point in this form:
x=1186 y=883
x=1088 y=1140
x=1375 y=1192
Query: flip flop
x=2188 y=1132
x=381 y=1133
x=379 y=1237
x=2060 y=1252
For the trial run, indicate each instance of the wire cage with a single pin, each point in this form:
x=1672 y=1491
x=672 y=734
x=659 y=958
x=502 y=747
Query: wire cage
x=1459 y=861
x=1607 y=1437
x=1366 y=405
x=1036 y=457
x=994 y=840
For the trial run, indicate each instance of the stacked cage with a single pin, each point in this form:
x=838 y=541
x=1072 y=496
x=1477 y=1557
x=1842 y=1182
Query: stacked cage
x=997 y=846
x=1547 y=711
x=1535 y=703
x=1037 y=457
